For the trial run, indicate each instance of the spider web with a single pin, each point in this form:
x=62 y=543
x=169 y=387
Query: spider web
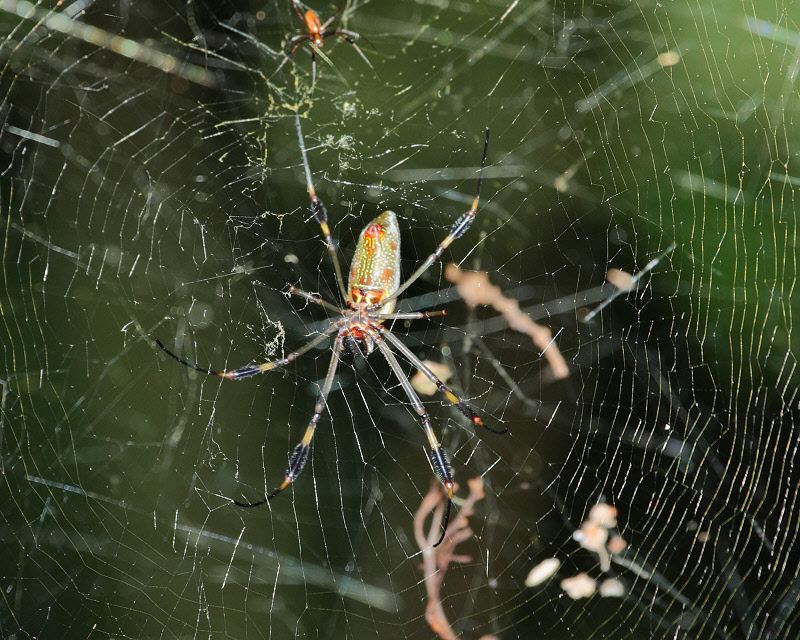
x=151 y=186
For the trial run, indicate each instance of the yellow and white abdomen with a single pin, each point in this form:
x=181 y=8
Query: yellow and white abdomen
x=375 y=270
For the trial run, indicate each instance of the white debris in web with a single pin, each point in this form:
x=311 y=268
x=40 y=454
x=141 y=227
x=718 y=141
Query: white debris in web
x=542 y=572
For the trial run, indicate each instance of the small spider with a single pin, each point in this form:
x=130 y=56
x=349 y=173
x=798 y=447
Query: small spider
x=370 y=297
x=316 y=36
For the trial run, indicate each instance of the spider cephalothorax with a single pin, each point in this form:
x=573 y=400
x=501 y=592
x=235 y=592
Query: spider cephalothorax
x=372 y=291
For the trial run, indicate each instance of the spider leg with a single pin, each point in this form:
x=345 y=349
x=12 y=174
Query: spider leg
x=314 y=75
x=317 y=208
x=254 y=370
x=438 y=455
x=452 y=397
x=300 y=39
x=318 y=51
x=459 y=228
x=330 y=20
x=413 y=315
x=352 y=41
x=299 y=456
x=356 y=36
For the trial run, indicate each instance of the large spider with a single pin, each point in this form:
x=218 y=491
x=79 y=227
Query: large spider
x=370 y=297
x=317 y=32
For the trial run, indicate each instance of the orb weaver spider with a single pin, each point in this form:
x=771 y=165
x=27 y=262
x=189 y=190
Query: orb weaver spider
x=370 y=297
x=317 y=32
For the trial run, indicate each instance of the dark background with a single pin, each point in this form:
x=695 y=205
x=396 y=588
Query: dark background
x=140 y=201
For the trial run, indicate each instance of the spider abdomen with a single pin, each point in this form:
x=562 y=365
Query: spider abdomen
x=375 y=270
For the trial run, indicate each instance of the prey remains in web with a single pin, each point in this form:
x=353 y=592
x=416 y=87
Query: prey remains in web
x=370 y=296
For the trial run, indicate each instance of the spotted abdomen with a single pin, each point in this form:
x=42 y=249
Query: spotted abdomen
x=375 y=270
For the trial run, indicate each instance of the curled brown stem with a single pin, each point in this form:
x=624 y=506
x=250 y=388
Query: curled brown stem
x=476 y=290
x=436 y=560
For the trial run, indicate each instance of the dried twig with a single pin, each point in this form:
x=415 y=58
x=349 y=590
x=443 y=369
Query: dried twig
x=476 y=289
x=436 y=560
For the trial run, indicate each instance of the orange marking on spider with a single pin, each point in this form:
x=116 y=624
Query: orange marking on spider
x=369 y=300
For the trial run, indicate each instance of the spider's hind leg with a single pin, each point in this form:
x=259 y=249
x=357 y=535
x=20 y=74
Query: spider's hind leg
x=464 y=408
x=441 y=465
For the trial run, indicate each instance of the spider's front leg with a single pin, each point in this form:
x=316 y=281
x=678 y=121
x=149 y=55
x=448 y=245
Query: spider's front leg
x=317 y=207
x=299 y=456
x=458 y=229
